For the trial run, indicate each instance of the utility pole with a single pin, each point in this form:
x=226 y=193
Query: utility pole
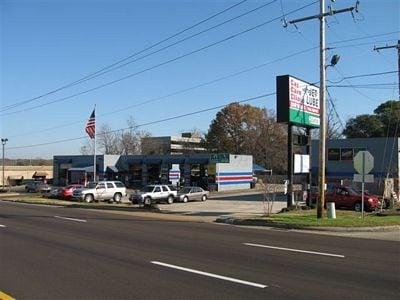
x=3 y=142
x=398 y=58
x=322 y=101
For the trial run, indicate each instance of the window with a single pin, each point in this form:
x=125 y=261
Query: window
x=165 y=189
x=110 y=185
x=119 y=184
x=333 y=154
x=346 y=154
x=157 y=189
x=101 y=186
x=356 y=150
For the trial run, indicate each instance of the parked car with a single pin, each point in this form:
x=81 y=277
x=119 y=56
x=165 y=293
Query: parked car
x=349 y=198
x=192 y=193
x=101 y=191
x=36 y=187
x=67 y=192
x=55 y=193
x=154 y=194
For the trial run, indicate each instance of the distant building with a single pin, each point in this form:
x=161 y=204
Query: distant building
x=184 y=144
x=340 y=164
x=16 y=175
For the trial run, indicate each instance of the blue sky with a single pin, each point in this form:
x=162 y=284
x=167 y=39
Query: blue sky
x=47 y=44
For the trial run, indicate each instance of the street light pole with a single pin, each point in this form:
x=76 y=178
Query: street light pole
x=3 y=142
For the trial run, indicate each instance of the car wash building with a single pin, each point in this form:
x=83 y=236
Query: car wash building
x=221 y=171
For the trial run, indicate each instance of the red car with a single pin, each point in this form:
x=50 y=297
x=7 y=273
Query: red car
x=349 y=198
x=66 y=192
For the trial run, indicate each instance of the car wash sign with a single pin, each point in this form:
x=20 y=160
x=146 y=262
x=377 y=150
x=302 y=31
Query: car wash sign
x=297 y=102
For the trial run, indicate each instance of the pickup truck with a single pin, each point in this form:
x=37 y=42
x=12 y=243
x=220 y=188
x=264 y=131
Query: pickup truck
x=151 y=194
x=101 y=191
x=349 y=198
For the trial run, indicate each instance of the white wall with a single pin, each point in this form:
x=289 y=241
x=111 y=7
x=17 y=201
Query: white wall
x=235 y=175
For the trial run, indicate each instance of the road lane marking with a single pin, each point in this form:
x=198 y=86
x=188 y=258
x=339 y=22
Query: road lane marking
x=295 y=250
x=4 y=296
x=70 y=219
x=210 y=275
x=3 y=227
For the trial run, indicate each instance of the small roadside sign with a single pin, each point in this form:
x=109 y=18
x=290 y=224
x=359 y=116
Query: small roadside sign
x=368 y=178
x=363 y=162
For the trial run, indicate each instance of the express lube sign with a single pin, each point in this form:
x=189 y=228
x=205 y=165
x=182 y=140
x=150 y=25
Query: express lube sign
x=297 y=102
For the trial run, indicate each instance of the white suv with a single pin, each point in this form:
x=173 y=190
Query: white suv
x=100 y=191
x=153 y=194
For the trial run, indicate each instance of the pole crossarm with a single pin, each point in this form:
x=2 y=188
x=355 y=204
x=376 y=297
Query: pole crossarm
x=327 y=14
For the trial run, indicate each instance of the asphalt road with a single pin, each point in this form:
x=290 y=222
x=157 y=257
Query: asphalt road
x=66 y=253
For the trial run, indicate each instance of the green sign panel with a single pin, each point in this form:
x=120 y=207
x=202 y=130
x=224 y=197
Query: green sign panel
x=297 y=102
x=220 y=158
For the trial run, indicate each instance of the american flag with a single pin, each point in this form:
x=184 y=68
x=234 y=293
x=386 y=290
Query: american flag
x=91 y=126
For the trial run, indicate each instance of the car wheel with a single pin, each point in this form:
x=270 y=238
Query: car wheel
x=88 y=198
x=203 y=198
x=185 y=199
x=147 y=201
x=170 y=199
x=357 y=206
x=117 y=197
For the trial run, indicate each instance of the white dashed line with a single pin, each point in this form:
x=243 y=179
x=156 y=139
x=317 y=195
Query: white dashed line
x=295 y=250
x=210 y=274
x=70 y=219
x=2 y=225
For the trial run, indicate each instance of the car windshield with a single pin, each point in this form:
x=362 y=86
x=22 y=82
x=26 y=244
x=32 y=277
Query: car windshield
x=185 y=190
x=92 y=185
x=352 y=191
x=147 y=189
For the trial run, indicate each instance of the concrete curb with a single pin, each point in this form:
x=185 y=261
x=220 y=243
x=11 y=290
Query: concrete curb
x=246 y=222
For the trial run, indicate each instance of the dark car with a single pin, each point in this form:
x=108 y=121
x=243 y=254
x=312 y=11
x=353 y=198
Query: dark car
x=36 y=187
x=67 y=192
x=192 y=193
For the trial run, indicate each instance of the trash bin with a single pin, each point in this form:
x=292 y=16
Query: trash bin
x=331 y=210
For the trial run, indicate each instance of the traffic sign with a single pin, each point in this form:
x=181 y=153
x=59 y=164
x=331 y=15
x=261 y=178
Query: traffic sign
x=363 y=162
x=369 y=178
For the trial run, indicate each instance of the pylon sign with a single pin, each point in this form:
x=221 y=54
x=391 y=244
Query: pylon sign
x=297 y=102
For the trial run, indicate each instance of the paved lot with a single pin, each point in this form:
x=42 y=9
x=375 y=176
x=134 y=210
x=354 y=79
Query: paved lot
x=224 y=205
x=63 y=253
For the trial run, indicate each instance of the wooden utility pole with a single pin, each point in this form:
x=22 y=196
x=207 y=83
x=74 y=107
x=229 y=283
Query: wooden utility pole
x=398 y=58
x=322 y=101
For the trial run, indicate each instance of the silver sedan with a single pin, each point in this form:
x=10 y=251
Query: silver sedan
x=192 y=193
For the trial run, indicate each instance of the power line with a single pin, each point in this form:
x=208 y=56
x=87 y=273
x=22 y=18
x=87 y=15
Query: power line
x=179 y=91
x=363 y=75
x=148 y=123
x=160 y=64
x=130 y=56
x=365 y=37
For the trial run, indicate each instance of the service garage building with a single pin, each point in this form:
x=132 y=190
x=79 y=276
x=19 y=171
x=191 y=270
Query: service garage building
x=211 y=171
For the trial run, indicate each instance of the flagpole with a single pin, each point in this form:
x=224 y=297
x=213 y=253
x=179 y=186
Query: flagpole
x=94 y=146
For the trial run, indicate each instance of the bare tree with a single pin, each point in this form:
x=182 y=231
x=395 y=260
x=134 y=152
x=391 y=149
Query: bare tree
x=121 y=142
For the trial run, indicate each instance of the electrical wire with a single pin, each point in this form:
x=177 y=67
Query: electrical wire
x=160 y=64
x=148 y=123
x=130 y=56
x=177 y=92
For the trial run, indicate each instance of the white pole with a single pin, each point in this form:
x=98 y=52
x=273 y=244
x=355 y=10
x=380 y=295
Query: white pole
x=362 y=185
x=94 y=146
